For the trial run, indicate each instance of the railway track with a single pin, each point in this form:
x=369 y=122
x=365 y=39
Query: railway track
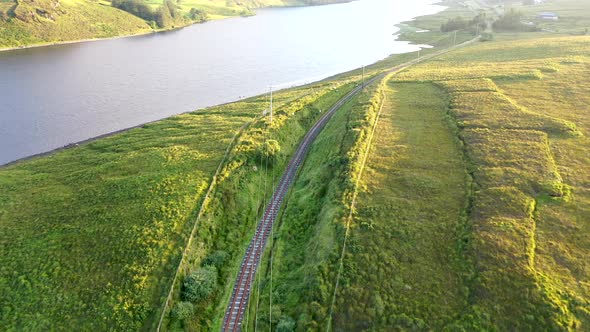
x=241 y=291
x=236 y=308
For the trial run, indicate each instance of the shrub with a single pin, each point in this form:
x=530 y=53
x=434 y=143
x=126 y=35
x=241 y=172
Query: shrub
x=200 y=284
x=216 y=259
x=286 y=324
x=269 y=149
x=182 y=310
x=486 y=36
x=198 y=15
x=135 y=7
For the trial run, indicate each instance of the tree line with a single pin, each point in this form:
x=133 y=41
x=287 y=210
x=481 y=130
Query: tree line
x=166 y=15
x=460 y=23
x=512 y=20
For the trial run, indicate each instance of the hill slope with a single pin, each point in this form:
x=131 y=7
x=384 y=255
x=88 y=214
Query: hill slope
x=28 y=22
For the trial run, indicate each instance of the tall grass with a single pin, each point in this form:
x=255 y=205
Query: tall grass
x=510 y=148
x=91 y=235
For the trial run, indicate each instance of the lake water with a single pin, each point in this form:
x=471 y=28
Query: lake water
x=56 y=95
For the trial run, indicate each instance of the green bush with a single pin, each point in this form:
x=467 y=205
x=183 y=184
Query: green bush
x=182 y=310
x=135 y=7
x=269 y=149
x=286 y=324
x=200 y=284
x=486 y=36
x=198 y=15
x=216 y=259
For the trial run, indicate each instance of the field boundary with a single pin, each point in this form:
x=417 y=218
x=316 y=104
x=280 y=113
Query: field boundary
x=353 y=202
x=386 y=76
x=204 y=204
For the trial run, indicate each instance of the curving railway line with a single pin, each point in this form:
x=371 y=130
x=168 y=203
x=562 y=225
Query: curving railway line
x=236 y=308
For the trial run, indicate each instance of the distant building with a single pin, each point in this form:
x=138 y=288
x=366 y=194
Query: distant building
x=548 y=16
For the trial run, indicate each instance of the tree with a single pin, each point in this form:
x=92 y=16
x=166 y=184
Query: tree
x=511 y=21
x=487 y=36
x=135 y=7
x=200 y=284
x=163 y=16
x=171 y=8
x=454 y=24
x=378 y=304
x=198 y=15
x=182 y=310
x=480 y=21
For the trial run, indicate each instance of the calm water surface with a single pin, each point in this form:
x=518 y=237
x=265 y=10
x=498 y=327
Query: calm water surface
x=53 y=96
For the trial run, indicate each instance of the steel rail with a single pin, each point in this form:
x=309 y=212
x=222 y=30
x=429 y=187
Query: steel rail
x=241 y=291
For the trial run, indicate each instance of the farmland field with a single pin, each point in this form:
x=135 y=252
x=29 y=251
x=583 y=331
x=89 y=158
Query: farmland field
x=409 y=220
x=520 y=119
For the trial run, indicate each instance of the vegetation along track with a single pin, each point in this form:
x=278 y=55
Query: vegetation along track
x=241 y=292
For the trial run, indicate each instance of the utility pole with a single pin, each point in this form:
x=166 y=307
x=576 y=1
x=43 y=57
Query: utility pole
x=363 y=75
x=455 y=39
x=271 y=104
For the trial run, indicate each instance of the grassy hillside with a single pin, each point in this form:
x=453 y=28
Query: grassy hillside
x=71 y=20
x=243 y=190
x=472 y=210
x=92 y=235
x=28 y=22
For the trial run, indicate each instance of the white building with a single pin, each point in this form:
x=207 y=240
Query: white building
x=548 y=16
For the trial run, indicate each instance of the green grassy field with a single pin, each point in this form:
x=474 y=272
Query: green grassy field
x=246 y=184
x=426 y=29
x=522 y=124
x=405 y=267
x=74 y=20
x=474 y=206
x=472 y=211
x=92 y=235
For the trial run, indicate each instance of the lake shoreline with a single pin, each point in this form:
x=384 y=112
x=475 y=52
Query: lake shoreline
x=109 y=134
x=73 y=144
x=86 y=40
